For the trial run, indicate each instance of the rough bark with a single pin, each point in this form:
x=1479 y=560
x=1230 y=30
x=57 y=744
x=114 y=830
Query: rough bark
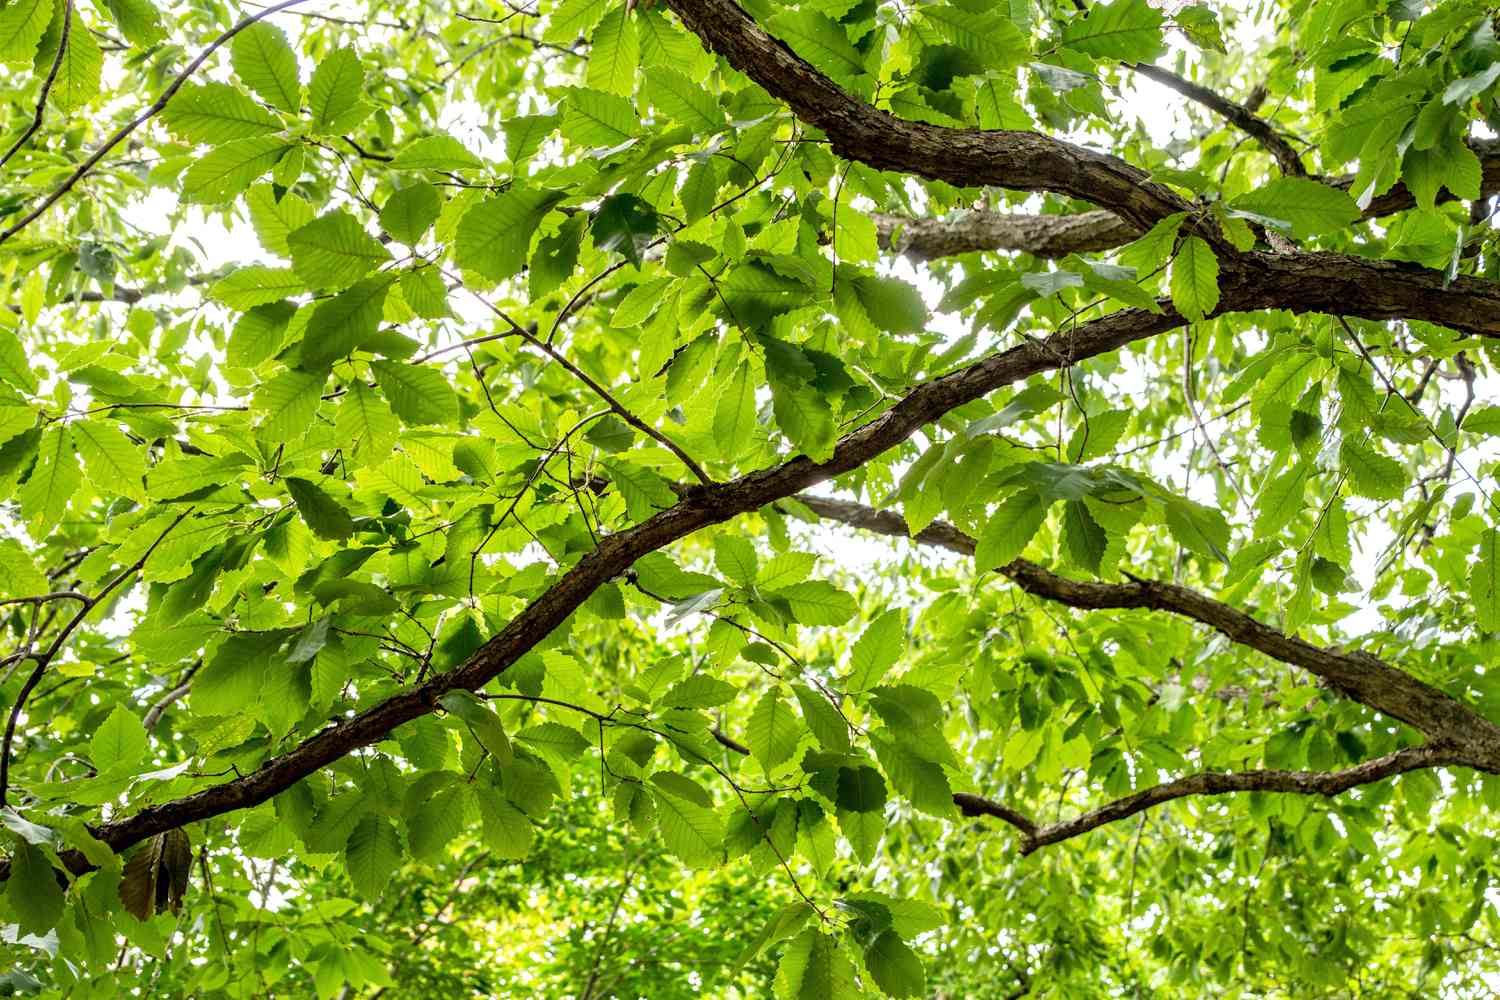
x=1053 y=236
x=1022 y=161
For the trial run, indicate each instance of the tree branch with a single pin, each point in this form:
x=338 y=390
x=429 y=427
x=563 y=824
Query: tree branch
x=1053 y=236
x=1048 y=236
x=1328 y=783
x=1024 y=161
x=1444 y=720
x=1237 y=115
x=41 y=100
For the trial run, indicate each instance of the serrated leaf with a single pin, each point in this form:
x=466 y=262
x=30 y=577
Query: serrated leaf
x=895 y=968
x=508 y=832
x=814 y=967
x=435 y=152
x=683 y=100
x=112 y=462
x=1309 y=207
x=876 y=651
x=1128 y=30
x=213 y=113
x=818 y=602
x=494 y=237
x=266 y=64
x=1484 y=582
x=372 y=855
x=227 y=170
x=410 y=212
x=22 y=24
x=1009 y=529
x=334 y=251
x=692 y=833
x=78 y=74
x=418 y=395
x=346 y=322
x=595 y=119
x=287 y=403
x=54 y=479
x=256 y=285
x=335 y=92
x=320 y=511
x=614 y=53
x=820 y=40
x=120 y=741
x=1372 y=474
x=275 y=218
x=1195 y=279
x=734 y=415
x=772 y=731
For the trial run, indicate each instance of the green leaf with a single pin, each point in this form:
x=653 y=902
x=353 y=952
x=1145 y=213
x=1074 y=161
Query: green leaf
x=1127 y=30
x=1372 y=474
x=1280 y=501
x=827 y=725
x=410 y=212
x=213 y=113
x=1484 y=582
x=819 y=40
x=372 y=855
x=689 y=831
x=1198 y=528
x=645 y=492
x=15 y=368
x=876 y=651
x=804 y=416
x=119 y=742
x=366 y=419
x=228 y=170
x=138 y=20
x=418 y=395
x=818 y=602
x=1447 y=164
x=483 y=722
x=614 y=53
x=54 y=480
x=772 y=731
x=334 y=251
x=508 y=833
x=22 y=24
x=112 y=462
x=435 y=152
x=592 y=118
x=346 y=322
x=683 y=100
x=335 y=93
x=494 y=237
x=895 y=968
x=814 y=967
x=1195 y=279
x=1009 y=529
x=78 y=74
x=320 y=511
x=1083 y=538
x=256 y=285
x=32 y=893
x=735 y=558
x=626 y=225
x=266 y=64
x=275 y=218
x=734 y=415
x=1309 y=207
x=288 y=403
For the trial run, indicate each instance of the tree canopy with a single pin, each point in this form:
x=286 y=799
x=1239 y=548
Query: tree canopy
x=832 y=498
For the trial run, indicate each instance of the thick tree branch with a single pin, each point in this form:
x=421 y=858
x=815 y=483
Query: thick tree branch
x=1049 y=236
x=1023 y=161
x=1055 y=236
x=1372 y=682
x=1326 y=783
